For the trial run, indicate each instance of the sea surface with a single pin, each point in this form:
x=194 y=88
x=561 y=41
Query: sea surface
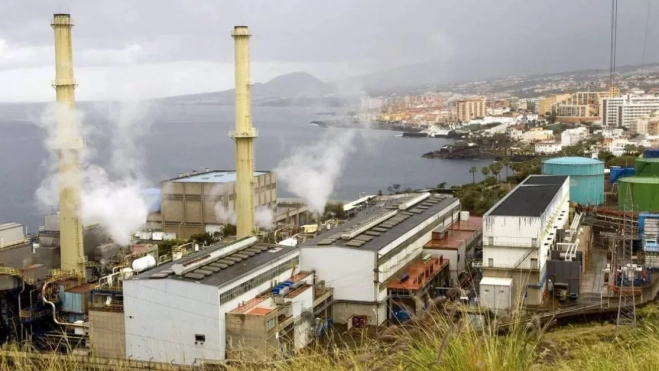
x=174 y=139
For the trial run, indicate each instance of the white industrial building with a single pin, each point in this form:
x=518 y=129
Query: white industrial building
x=518 y=233
x=175 y=313
x=359 y=258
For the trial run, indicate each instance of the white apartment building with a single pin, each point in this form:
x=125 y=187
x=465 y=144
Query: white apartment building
x=176 y=312
x=548 y=146
x=572 y=137
x=624 y=111
x=520 y=230
x=360 y=257
x=537 y=135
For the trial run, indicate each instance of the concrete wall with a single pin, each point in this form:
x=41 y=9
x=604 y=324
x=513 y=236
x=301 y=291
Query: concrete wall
x=248 y=334
x=11 y=233
x=107 y=334
x=342 y=311
x=348 y=271
x=194 y=203
x=162 y=317
x=17 y=256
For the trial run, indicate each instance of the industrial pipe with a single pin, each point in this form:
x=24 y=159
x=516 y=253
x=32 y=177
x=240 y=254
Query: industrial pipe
x=52 y=305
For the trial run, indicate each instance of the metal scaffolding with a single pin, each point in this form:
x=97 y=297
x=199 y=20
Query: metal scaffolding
x=625 y=268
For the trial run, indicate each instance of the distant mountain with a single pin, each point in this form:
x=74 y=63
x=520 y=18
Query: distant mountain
x=291 y=86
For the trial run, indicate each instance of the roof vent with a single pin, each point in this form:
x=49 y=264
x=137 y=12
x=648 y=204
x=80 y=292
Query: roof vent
x=368 y=224
x=195 y=262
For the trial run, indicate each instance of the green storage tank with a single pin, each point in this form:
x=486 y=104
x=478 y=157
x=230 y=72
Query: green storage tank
x=644 y=194
x=647 y=167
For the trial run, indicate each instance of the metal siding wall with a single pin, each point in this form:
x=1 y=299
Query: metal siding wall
x=644 y=195
x=647 y=167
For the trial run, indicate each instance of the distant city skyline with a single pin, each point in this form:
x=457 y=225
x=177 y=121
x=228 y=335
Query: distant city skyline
x=146 y=49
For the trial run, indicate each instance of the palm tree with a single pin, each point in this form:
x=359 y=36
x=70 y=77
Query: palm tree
x=486 y=171
x=506 y=162
x=473 y=171
x=495 y=168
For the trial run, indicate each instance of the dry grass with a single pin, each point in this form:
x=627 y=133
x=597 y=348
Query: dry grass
x=446 y=340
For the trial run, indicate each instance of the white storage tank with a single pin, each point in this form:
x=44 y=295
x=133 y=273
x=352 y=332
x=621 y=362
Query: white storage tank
x=144 y=263
x=496 y=293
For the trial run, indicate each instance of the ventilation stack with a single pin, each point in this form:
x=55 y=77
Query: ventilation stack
x=69 y=143
x=243 y=135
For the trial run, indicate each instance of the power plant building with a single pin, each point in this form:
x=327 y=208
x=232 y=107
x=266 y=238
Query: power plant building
x=518 y=233
x=203 y=202
x=362 y=257
x=176 y=312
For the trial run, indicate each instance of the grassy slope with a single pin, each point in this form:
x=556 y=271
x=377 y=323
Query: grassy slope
x=434 y=344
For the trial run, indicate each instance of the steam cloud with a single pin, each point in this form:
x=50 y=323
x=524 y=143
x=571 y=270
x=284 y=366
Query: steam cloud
x=311 y=171
x=111 y=197
x=264 y=217
x=224 y=215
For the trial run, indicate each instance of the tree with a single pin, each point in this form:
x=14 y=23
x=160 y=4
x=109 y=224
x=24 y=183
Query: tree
x=394 y=189
x=334 y=210
x=204 y=239
x=229 y=230
x=605 y=156
x=441 y=185
x=486 y=171
x=551 y=117
x=506 y=162
x=473 y=171
x=495 y=168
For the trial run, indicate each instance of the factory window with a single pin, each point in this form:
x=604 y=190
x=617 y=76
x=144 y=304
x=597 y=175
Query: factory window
x=173 y=197
x=173 y=224
x=194 y=224
x=490 y=241
x=534 y=242
x=534 y=263
x=256 y=281
x=199 y=338
x=490 y=262
x=270 y=324
x=193 y=197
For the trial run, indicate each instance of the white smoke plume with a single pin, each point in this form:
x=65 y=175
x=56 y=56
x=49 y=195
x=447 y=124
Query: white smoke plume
x=224 y=215
x=264 y=217
x=311 y=172
x=112 y=198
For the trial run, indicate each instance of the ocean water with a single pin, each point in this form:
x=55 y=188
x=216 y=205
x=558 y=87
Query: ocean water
x=182 y=138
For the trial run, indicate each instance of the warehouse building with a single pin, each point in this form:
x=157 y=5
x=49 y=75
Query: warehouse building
x=203 y=202
x=359 y=258
x=176 y=312
x=518 y=234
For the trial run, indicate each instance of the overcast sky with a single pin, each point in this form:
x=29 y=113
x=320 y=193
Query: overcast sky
x=151 y=48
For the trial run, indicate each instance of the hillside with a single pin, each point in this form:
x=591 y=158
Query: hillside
x=292 y=85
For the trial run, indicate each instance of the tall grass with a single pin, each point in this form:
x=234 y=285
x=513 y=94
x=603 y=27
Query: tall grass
x=446 y=340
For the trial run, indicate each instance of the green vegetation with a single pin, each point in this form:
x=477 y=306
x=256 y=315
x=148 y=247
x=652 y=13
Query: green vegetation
x=446 y=339
x=203 y=239
x=477 y=198
x=334 y=210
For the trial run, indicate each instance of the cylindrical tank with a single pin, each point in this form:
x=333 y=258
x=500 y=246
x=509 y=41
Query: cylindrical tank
x=586 y=177
x=645 y=167
x=651 y=153
x=643 y=192
x=144 y=263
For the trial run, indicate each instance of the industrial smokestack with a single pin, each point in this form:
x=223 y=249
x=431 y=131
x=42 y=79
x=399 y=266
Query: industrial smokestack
x=70 y=145
x=243 y=135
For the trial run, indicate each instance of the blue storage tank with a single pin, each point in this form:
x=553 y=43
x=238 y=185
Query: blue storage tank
x=651 y=153
x=618 y=172
x=152 y=198
x=586 y=177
